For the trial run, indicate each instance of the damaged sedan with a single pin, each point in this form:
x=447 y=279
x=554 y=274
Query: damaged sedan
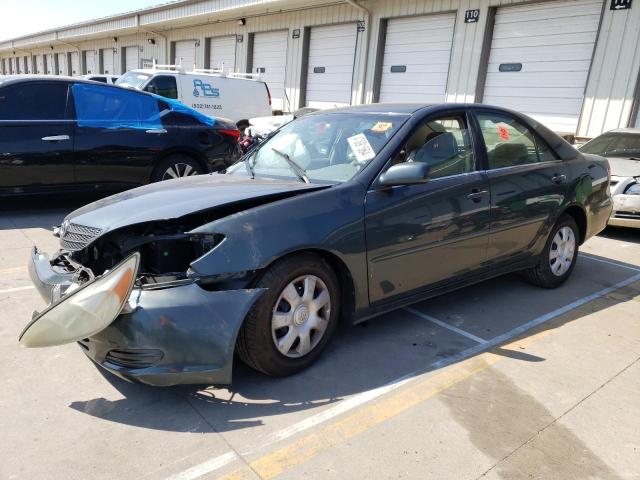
x=340 y=215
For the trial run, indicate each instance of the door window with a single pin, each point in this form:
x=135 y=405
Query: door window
x=163 y=85
x=110 y=107
x=444 y=144
x=510 y=143
x=34 y=101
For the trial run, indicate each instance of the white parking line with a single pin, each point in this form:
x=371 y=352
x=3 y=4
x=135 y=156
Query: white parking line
x=609 y=262
x=457 y=330
x=218 y=462
x=17 y=289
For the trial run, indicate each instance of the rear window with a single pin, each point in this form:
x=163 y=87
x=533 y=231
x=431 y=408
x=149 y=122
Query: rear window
x=34 y=101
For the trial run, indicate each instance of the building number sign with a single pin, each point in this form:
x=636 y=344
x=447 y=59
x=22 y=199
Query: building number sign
x=620 y=4
x=471 y=16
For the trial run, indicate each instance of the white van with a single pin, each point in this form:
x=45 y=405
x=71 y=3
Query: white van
x=236 y=96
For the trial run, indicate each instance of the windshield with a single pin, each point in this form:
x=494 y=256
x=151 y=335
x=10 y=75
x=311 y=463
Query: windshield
x=625 y=145
x=330 y=147
x=133 y=79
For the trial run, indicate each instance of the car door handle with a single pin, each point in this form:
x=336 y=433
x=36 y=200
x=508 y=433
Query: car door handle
x=157 y=130
x=476 y=195
x=56 y=138
x=559 y=179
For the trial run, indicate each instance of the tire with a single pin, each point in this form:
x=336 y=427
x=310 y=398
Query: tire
x=256 y=345
x=552 y=272
x=176 y=166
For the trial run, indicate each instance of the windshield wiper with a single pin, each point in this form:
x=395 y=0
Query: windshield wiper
x=300 y=172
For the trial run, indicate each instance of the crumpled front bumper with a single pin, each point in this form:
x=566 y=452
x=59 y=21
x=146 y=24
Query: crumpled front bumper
x=626 y=211
x=178 y=334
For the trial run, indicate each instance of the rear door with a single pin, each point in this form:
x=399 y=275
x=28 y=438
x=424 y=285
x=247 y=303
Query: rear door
x=528 y=184
x=36 y=136
x=421 y=235
x=119 y=134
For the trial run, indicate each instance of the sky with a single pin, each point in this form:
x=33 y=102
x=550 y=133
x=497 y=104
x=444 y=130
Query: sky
x=22 y=17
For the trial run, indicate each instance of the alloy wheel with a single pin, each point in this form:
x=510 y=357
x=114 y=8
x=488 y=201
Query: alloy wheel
x=179 y=170
x=301 y=316
x=562 y=251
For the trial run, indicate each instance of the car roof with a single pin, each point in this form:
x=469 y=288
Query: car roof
x=39 y=78
x=410 y=108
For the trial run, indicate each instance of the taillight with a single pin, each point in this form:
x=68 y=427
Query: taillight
x=233 y=134
x=268 y=93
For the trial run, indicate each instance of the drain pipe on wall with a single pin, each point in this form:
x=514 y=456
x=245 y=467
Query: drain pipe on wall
x=367 y=26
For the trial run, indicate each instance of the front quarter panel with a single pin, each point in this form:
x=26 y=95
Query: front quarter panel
x=329 y=220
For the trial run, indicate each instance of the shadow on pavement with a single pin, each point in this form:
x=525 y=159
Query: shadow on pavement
x=364 y=357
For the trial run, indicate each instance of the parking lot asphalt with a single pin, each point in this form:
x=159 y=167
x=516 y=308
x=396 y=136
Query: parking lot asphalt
x=498 y=380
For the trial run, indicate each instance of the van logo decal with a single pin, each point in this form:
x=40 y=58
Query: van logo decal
x=204 y=89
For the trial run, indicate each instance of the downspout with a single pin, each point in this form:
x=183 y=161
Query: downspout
x=367 y=27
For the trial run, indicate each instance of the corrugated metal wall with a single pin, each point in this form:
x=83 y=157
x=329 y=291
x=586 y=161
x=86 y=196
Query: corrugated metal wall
x=609 y=92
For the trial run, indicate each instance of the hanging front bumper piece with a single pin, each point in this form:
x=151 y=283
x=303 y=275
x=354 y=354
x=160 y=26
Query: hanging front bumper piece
x=165 y=335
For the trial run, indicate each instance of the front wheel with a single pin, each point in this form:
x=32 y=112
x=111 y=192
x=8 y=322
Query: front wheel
x=559 y=256
x=287 y=329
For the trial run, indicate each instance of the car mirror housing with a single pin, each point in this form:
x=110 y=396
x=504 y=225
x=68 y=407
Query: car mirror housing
x=405 y=173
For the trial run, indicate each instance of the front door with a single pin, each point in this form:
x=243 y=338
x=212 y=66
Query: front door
x=36 y=136
x=528 y=185
x=419 y=235
x=119 y=135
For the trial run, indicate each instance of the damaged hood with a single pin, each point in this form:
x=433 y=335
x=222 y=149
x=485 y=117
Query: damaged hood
x=176 y=198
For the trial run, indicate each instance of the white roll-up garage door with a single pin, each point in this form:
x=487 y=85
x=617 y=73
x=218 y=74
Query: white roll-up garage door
x=75 y=64
x=107 y=61
x=222 y=53
x=90 y=62
x=62 y=64
x=416 y=58
x=185 y=54
x=330 y=71
x=131 y=58
x=49 y=64
x=540 y=59
x=40 y=64
x=270 y=59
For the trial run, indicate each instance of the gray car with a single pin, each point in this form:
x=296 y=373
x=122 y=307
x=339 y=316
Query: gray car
x=622 y=148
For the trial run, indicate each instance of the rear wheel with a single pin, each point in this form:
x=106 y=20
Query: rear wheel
x=287 y=329
x=559 y=256
x=176 y=166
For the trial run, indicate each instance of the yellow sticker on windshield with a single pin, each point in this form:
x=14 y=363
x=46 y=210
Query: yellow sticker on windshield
x=381 y=127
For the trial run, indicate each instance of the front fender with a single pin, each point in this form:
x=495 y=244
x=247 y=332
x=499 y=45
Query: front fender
x=329 y=220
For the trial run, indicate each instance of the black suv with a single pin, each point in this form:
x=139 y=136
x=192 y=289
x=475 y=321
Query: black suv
x=75 y=134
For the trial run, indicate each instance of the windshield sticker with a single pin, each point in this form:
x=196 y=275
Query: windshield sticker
x=361 y=148
x=381 y=127
x=503 y=132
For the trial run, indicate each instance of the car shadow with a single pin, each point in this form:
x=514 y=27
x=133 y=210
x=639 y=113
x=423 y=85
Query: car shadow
x=631 y=235
x=367 y=356
x=41 y=211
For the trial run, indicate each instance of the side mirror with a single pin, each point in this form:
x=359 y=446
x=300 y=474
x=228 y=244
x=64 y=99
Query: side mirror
x=152 y=89
x=405 y=173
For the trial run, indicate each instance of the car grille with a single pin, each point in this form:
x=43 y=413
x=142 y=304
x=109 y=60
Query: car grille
x=76 y=237
x=134 y=358
x=627 y=215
